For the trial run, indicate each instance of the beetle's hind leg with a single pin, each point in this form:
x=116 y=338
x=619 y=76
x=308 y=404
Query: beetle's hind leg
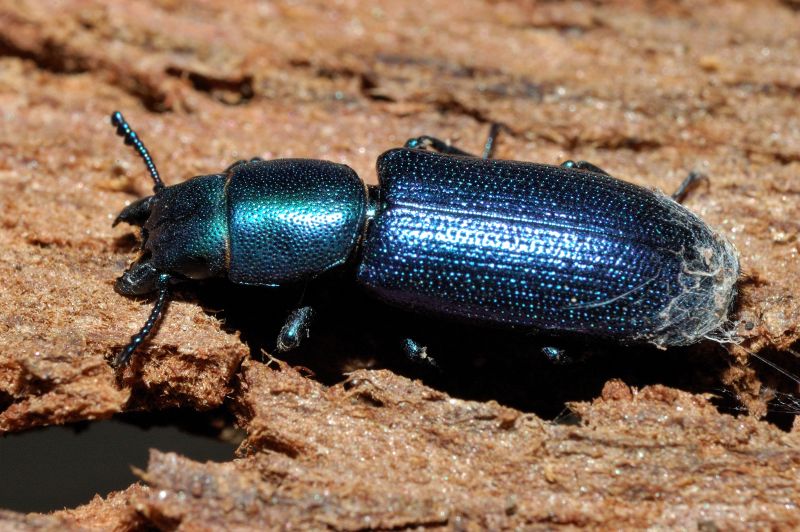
x=436 y=144
x=679 y=195
x=584 y=165
x=296 y=328
x=691 y=180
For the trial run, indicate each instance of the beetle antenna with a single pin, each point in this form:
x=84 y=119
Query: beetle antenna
x=132 y=139
x=163 y=291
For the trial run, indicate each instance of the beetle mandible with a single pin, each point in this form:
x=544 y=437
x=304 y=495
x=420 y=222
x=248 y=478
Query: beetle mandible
x=528 y=246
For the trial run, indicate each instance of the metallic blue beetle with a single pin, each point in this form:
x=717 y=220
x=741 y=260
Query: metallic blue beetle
x=502 y=243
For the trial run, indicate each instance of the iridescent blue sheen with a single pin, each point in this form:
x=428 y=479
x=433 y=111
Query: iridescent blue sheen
x=262 y=223
x=292 y=219
x=532 y=247
x=187 y=228
x=503 y=243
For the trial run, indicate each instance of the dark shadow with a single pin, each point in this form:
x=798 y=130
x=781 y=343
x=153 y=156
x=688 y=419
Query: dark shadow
x=778 y=372
x=128 y=243
x=56 y=467
x=352 y=330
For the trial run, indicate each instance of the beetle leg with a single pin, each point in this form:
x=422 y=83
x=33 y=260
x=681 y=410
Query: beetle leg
x=688 y=183
x=679 y=195
x=426 y=141
x=488 y=146
x=295 y=329
x=556 y=355
x=436 y=144
x=242 y=161
x=162 y=286
x=584 y=165
x=418 y=353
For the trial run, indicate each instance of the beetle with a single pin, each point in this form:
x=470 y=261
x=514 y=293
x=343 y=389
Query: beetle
x=527 y=246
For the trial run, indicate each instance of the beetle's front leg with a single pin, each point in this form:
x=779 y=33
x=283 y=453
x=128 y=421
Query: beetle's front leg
x=295 y=329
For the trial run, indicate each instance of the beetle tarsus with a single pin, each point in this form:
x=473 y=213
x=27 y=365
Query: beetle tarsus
x=296 y=328
x=124 y=356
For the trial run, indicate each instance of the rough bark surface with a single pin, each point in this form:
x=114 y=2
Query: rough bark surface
x=646 y=90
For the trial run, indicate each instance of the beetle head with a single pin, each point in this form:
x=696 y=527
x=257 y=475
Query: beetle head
x=141 y=276
x=184 y=233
